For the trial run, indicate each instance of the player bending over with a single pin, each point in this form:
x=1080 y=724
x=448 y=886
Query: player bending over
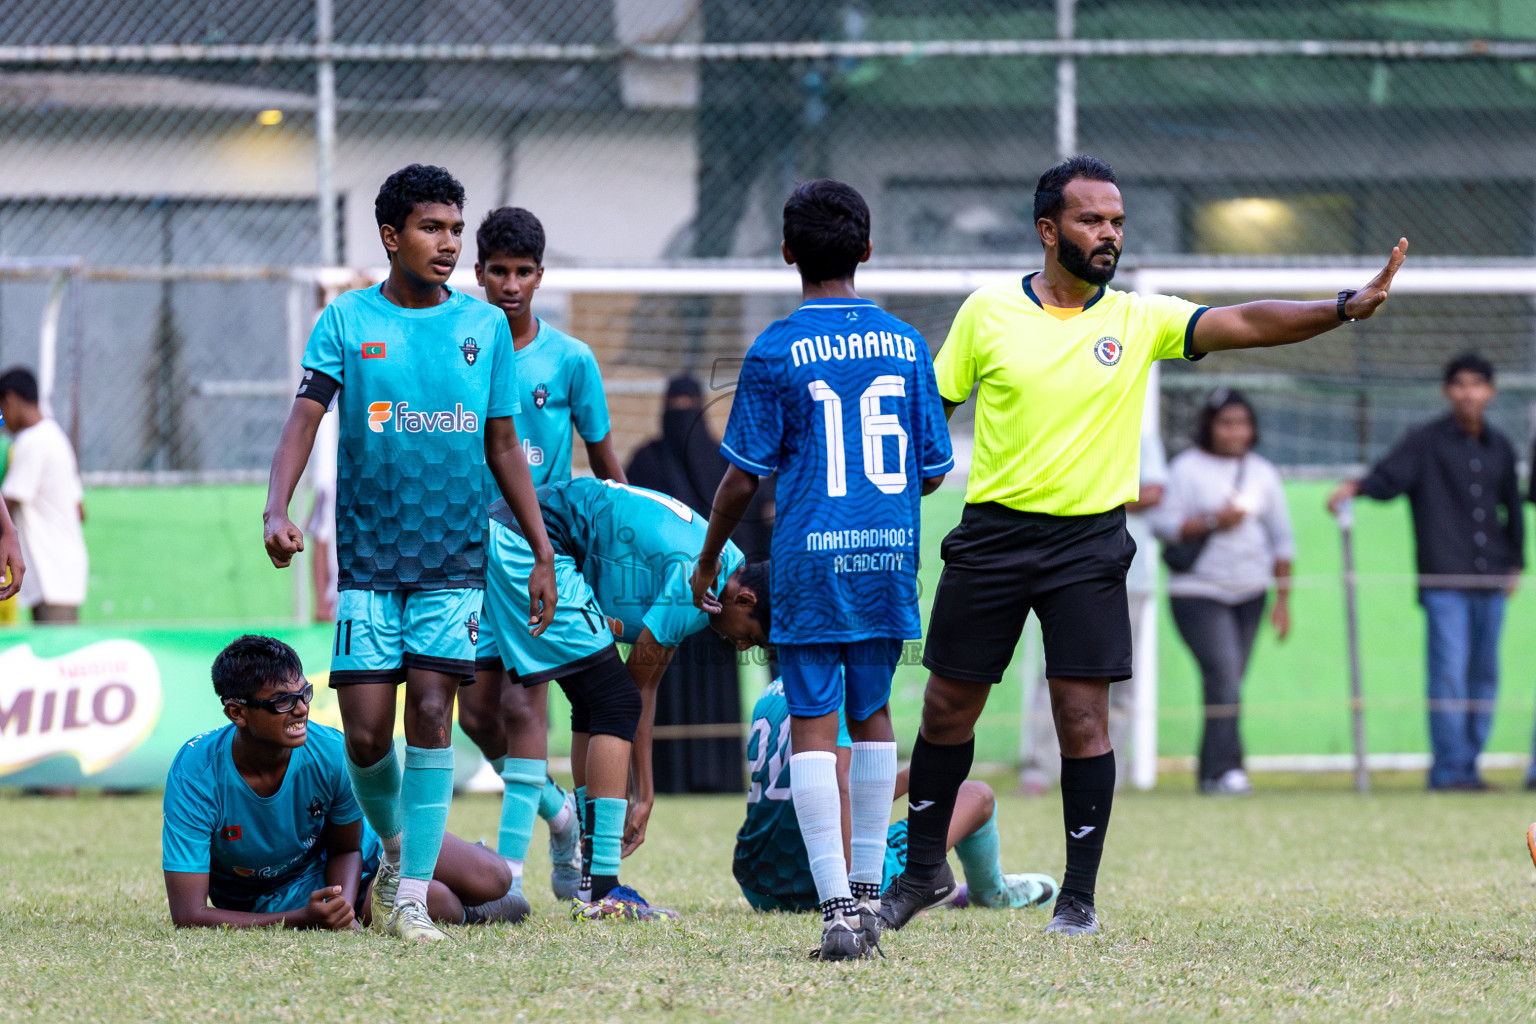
x=770 y=862
x=427 y=388
x=561 y=388
x=622 y=557
x=839 y=400
x=260 y=819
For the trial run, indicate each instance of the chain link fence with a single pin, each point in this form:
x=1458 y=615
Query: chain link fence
x=189 y=153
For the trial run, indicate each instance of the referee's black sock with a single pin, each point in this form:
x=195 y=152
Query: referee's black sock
x=1087 y=791
x=936 y=774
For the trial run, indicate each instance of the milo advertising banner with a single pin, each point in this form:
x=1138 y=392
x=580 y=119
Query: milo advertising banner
x=109 y=707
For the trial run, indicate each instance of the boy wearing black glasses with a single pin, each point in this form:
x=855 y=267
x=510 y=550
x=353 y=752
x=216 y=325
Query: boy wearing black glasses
x=260 y=819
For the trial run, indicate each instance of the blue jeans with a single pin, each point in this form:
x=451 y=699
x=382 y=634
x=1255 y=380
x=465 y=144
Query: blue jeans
x=1463 y=628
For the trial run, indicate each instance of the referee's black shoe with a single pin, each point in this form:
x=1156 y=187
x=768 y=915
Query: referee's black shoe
x=906 y=897
x=1073 y=916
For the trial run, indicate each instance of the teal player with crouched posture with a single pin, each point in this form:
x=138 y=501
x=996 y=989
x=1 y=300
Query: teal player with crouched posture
x=561 y=388
x=770 y=862
x=261 y=821
x=838 y=399
x=426 y=387
x=622 y=559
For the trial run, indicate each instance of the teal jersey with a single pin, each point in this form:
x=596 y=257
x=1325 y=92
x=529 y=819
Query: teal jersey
x=249 y=845
x=560 y=387
x=770 y=858
x=417 y=386
x=636 y=549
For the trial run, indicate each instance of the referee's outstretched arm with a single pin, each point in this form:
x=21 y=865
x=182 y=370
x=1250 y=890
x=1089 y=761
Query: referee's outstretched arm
x=1271 y=322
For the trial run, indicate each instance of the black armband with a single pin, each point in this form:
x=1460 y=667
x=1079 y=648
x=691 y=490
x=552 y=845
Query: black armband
x=319 y=387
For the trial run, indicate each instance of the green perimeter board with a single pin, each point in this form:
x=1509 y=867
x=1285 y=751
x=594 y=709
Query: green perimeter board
x=193 y=554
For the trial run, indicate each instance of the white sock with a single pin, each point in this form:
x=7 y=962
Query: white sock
x=563 y=818
x=813 y=784
x=871 y=788
x=516 y=866
x=413 y=889
x=391 y=849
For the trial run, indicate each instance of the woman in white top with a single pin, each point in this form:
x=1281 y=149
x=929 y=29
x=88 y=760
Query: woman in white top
x=1224 y=508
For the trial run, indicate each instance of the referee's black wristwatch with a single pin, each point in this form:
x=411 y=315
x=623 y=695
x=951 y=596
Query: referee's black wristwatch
x=1344 y=296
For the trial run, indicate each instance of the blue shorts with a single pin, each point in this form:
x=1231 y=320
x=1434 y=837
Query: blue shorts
x=487 y=651
x=579 y=633
x=294 y=895
x=381 y=633
x=820 y=678
x=791 y=887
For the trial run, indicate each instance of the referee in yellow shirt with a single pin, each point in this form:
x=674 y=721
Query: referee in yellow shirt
x=1062 y=364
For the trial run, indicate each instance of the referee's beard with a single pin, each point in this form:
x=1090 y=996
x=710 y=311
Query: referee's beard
x=1079 y=263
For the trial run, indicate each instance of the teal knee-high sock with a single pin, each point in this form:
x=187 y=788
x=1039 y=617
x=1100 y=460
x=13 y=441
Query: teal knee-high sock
x=551 y=799
x=426 y=789
x=519 y=803
x=980 y=856
x=607 y=843
x=377 y=788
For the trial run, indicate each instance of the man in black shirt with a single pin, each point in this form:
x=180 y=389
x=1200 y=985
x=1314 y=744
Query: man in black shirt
x=1459 y=475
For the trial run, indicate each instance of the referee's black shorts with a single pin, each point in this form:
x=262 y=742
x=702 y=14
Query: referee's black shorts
x=1000 y=563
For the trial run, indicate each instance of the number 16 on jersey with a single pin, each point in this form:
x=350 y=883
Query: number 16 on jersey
x=875 y=424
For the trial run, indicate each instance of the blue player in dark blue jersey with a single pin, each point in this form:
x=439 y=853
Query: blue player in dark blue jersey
x=426 y=386
x=561 y=393
x=260 y=819
x=838 y=399
x=770 y=862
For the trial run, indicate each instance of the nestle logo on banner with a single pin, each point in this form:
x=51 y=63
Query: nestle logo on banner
x=95 y=704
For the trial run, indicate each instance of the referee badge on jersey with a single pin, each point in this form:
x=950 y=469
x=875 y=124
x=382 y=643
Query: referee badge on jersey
x=471 y=351
x=1108 y=350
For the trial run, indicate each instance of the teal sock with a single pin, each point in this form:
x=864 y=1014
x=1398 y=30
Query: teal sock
x=980 y=856
x=524 y=778
x=426 y=789
x=551 y=799
x=377 y=788
x=607 y=841
x=497 y=763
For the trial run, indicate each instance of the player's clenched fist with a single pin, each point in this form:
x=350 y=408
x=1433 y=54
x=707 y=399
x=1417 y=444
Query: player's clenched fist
x=284 y=540
x=326 y=909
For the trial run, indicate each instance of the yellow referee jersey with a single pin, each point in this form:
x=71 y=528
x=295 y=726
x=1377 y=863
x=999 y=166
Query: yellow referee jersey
x=1058 y=413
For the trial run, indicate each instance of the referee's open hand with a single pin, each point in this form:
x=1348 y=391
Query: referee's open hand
x=703 y=581
x=1367 y=300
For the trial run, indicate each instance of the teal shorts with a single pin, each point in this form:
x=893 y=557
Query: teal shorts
x=790 y=886
x=487 y=650
x=579 y=633
x=381 y=633
x=294 y=895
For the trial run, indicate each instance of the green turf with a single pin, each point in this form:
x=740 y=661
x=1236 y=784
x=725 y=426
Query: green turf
x=193 y=554
x=1294 y=905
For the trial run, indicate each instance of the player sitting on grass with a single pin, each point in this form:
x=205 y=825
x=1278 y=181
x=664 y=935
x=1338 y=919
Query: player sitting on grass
x=427 y=389
x=561 y=388
x=261 y=821
x=770 y=863
x=622 y=556
x=839 y=401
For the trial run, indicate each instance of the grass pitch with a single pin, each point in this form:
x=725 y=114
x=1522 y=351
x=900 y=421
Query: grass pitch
x=1298 y=904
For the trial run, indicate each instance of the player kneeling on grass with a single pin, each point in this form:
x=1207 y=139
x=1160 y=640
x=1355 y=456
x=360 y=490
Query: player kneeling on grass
x=771 y=864
x=622 y=561
x=261 y=821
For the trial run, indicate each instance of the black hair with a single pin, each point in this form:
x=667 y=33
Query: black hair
x=19 y=381
x=510 y=231
x=754 y=576
x=410 y=187
x=1222 y=398
x=1050 y=198
x=251 y=662
x=826 y=227
x=1469 y=361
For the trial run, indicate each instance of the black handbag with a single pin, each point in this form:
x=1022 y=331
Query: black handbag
x=1182 y=556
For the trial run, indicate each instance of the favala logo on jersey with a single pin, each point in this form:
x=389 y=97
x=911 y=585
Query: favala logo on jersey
x=1108 y=350
x=409 y=421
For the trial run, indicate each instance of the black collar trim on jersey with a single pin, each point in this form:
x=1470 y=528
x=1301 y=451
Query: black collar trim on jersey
x=1036 y=299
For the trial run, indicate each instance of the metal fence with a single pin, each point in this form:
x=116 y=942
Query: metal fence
x=168 y=136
